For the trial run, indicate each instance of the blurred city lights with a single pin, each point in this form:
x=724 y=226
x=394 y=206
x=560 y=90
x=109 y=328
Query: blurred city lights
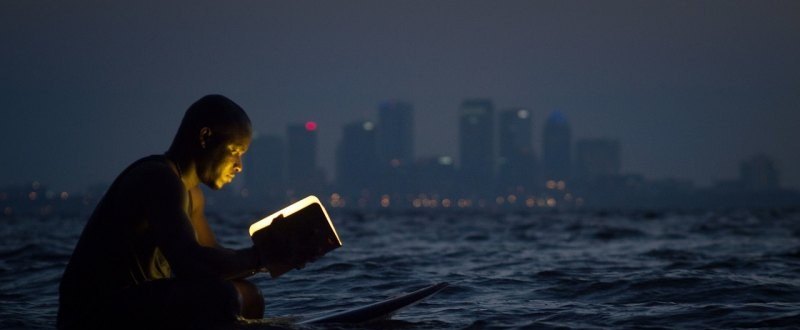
x=311 y=126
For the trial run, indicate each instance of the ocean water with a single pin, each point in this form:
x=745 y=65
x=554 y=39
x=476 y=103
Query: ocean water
x=509 y=270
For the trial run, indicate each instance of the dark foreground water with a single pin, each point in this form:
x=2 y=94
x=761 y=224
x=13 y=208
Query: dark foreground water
x=697 y=270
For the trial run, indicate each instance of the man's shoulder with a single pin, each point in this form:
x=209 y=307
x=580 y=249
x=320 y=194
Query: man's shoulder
x=153 y=165
x=151 y=170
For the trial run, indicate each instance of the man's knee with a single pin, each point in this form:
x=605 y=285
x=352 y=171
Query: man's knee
x=199 y=301
x=250 y=299
x=219 y=295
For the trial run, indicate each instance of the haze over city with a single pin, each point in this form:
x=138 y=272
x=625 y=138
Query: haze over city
x=688 y=88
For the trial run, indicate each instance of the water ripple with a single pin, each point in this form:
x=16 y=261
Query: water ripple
x=521 y=270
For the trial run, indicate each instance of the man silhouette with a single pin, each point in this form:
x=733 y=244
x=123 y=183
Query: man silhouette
x=147 y=256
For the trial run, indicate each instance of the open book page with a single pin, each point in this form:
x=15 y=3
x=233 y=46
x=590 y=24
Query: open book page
x=295 y=235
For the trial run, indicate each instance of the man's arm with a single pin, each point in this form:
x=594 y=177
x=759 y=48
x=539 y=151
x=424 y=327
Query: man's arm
x=165 y=200
x=198 y=216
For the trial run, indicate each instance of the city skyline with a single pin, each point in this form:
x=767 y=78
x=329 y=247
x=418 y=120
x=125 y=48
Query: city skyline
x=689 y=89
x=500 y=164
x=284 y=168
x=304 y=165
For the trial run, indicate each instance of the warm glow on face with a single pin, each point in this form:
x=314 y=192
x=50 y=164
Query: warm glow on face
x=223 y=161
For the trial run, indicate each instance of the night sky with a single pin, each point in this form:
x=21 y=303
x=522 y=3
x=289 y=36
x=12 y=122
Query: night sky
x=690 y=88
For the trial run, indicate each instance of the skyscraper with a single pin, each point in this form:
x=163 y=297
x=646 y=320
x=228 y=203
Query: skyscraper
x=301 y=158
x=476 y=145
x=557 y=147
x=516 y=159
x=264 y=171
x=758 y=173
x=597 y=158
x=356 y=159
x=395 y=133
x=435 y=175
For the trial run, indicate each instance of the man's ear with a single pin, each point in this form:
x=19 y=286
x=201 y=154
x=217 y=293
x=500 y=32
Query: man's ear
x=205 y=134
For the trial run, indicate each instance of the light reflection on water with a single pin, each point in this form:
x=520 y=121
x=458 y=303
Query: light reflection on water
x=702 y=270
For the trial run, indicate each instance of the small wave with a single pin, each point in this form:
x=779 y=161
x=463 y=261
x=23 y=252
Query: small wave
x=476 y=237
x=614 y=233
x=788 y=320
x=732 y=263
x=548 y=274
x=337 y=267
x=674 y=255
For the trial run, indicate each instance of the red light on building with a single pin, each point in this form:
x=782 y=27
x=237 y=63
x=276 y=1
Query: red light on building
x=311 y=126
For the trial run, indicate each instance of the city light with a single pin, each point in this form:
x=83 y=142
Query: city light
x=551 y=202
x=511 y=199
x=530 y=202
x=446 y=203
x=562 y=185
x=311 y=126
x=336 y=200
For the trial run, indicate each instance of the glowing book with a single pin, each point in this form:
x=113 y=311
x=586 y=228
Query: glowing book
x=296 y=235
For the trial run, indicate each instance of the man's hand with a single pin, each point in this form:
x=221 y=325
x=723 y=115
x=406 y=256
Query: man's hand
x=281 y=252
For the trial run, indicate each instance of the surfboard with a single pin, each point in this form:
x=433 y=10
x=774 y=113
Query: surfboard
x=377 y=311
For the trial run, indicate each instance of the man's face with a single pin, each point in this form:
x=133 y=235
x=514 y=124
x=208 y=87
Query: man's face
x=222 y=159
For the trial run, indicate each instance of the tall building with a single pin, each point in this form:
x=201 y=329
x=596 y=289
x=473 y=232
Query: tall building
x=557 y=147
x=264 y=171
x=396 y=133
x=356 y=159
x=436 y=176
x=517 y=168
x=597 y=158
x=758 y=173
x=303 y=174
x=476 y=145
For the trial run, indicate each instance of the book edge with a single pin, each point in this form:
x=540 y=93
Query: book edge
x=291 y=209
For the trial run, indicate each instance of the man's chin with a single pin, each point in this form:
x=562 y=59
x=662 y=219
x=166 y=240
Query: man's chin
x=215 y=185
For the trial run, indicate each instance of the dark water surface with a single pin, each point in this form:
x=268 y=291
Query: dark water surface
x=697 y=270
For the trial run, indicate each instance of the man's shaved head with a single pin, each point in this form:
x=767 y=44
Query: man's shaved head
x=219 y=113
